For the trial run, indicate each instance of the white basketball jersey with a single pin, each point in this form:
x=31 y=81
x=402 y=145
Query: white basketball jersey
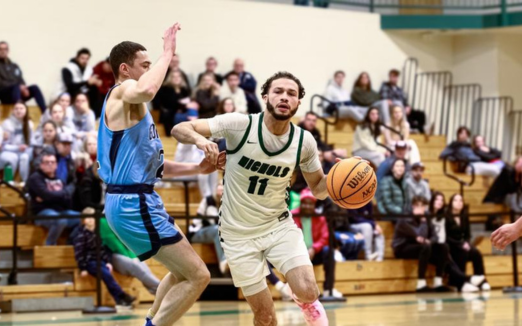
x=257 y=181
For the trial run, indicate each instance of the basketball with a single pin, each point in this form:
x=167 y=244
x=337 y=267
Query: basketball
x=351 y=183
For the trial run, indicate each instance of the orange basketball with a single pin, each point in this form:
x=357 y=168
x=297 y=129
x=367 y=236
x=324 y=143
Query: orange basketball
x=351 y=183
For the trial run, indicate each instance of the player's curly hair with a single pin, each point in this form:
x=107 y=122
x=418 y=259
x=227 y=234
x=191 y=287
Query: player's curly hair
x=282 y=74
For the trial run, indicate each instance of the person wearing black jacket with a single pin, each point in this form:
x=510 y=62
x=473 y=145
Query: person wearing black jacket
x=12 y=84
x=248 y=83
x=51 y=197
x=491 y=158
x=413 y=240
x=458 y=238
x=460 y=150
x=85 y=255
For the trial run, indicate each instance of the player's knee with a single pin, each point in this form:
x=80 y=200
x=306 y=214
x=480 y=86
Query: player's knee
x=202 y=277
x=265 y=317
x=308 y=295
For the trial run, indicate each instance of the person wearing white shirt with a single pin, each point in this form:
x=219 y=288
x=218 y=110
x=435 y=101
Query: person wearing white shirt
x=341 y=97
x=231 y=89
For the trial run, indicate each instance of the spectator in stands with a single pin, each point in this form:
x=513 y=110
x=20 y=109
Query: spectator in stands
x=210 y=67
x=232 y=90
x=207 y=96
x=85 y=255
x=309 y=123
x=125 y=262
x=316 y=237
x=174 y=66
x=363 y=95
x=401 y=148
x=458 y=238
x=12 y=84
x=507 y=187
x=411 y=240
x=395 y=95
x=66 y=168
x=207 y=230
x=173 y=100
x=437 y=209
x=63 y=124
x=491 y=163
x=393 y=189
x=16 y=148
x=78 y=77
x=341 y=100
x=371 y=231
x=366 y=136
x=104 y=72
x=64 y=100
x=226 y=105
x=460 y=150
x=417 y=185
x=248 y=83
x=84 y=119
x=87 y=156
x=45 y=141
x=402 y=132
x=51 y=197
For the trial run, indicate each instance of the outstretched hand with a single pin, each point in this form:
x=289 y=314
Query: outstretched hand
x=169 y=38
x=505 y=235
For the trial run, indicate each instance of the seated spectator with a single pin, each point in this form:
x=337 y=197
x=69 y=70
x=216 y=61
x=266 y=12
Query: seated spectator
x=207 y=230
x=363 y=95
x=316 y=237
x=103 y=71
x=84 y=120
x=399 y=124
x=124 y=260
x=491 y=158
x=51 y=197
x=16 y=148
x=174 y=66
x=78 y=77
x=411 y=240
x=207 y=96
x=66 y=167
x=64 y=100
x=371 y=231
x=393 y=189
x=341 y=98
x=395 y=95
x=226 y=105
x=210 y=67
x=365 y=138
x=401 y=149
x=87 y=156
x=173 y=101
x=64 y=125
x=13 y=88
x=44 y=141
x=309 y=123
x=232 y=90
x=458 y=238
x=437 y=210
x=85 y=255
x=460 y=150
x=507 y=187
x=248 y=83
x=417 y=185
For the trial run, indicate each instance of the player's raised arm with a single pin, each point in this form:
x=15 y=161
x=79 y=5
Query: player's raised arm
x=196 y=132
x=506 y=234
x=149 y=83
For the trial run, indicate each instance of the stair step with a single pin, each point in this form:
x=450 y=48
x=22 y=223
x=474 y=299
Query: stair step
x=47 y=304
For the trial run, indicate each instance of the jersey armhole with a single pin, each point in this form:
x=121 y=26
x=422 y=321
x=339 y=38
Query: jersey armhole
x=301 y=136
x=244 y=139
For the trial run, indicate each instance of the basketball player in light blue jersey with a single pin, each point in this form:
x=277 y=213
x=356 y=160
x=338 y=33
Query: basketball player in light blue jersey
x=131 y=160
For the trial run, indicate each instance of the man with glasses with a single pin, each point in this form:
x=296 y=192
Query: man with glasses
x=51 y=197
x=12 y=84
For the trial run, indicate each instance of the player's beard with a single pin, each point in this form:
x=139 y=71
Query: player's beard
x=278 y=116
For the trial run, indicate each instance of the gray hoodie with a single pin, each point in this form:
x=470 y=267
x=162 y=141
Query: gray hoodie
x=14 y=128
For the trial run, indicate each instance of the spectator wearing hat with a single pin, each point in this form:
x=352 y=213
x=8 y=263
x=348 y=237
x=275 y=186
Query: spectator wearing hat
x=417 y=185
x=50 y=196
x=65 y=163
x=401 y=150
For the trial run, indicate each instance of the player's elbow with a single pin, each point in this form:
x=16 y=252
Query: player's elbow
x=148 y=93
x=177 y=130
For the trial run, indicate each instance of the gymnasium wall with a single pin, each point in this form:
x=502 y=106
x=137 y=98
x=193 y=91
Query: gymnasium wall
x=312 y=43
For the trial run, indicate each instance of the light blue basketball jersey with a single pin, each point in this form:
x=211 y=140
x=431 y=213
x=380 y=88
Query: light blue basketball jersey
x=130 y=156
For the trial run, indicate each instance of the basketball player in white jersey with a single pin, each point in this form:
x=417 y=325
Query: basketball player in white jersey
x=255 y=225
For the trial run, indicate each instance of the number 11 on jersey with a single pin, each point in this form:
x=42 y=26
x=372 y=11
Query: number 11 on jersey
x=253 y=185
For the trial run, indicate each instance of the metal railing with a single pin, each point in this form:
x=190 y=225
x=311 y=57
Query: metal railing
x=409 y=71
x=515 y=139
x=329 y=120
x=457 y=110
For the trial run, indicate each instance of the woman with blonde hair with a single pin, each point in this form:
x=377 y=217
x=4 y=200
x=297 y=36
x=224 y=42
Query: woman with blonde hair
x=399 y=123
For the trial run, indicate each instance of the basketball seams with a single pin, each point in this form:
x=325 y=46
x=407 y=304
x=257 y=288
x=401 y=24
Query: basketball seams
x=347 y=176
x=360 y=188
x=332 y=182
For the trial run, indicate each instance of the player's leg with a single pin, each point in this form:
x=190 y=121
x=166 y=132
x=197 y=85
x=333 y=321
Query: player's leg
x=177 y=294
x=262 y=305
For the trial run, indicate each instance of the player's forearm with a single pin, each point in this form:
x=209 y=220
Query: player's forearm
x=518 y=225
x=319 y=190
x=150 y=82
x=185 y=133
x=175 y=169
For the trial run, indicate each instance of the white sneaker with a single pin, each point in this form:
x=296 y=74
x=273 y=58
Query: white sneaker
x=468 y=288
x=373 y=256
x=335 y=293
x=338 y=256
x=477 y=280
x=223 y=267
x=286 y=293
x=485 y=286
